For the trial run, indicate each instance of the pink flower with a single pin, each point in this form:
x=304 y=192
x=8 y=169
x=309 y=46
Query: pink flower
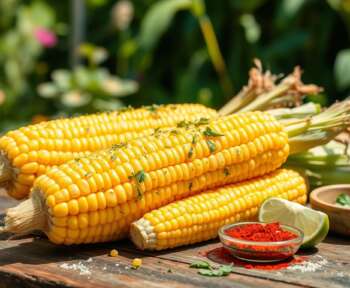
x=45 y=37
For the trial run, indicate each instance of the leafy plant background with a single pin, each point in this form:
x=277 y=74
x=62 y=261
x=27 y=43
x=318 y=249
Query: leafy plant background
x=148 y=51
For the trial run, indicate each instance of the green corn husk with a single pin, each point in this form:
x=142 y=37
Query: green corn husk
x=324 y=165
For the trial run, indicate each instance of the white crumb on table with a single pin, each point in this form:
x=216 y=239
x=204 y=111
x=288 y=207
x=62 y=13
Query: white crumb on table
x=80 y=267
x=309 y=266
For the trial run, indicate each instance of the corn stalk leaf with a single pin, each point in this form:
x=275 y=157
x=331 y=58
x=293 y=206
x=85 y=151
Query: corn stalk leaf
x=342 y=69
x=158 y=19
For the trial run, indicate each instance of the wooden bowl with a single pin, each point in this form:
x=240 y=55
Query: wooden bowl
x=323 y=199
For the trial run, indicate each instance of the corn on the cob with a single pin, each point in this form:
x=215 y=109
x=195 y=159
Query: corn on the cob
x=96 y=198
x=28 y=152
x=199 y=217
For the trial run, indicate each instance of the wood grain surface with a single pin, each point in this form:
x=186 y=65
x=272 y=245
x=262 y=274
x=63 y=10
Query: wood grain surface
x=35 y=262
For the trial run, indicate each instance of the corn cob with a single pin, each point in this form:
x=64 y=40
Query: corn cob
x=97 y=197
x=30 y=151
x=199 y=217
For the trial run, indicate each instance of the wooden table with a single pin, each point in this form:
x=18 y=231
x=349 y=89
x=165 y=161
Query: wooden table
x=34 y=262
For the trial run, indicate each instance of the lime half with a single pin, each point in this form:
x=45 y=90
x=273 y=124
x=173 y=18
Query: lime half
x=314 y=224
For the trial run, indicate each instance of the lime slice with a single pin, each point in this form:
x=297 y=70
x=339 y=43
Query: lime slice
x=314 y=224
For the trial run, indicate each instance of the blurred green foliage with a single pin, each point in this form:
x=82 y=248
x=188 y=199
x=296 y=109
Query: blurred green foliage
x=163 y=51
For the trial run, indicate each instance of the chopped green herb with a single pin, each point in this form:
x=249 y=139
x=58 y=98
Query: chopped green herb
x=113 y=157
x=206 y=269
x=190 y=186
x=226 y=171
x=152 y=108
x=140 y=176
x=119 y=145
x=156 y=129
x=183 y=124
x=211 y=133
x=125 y=109
x=170 y=271
x=223 y=270
x=202 y=121
x=174 y=132
x=211 y=146
x=194 y=138
x=157 y=132
x=139 y=193
x=343 y=199
x=88 y=174
x=190 y=152
x=200 y=264
x=226 y=269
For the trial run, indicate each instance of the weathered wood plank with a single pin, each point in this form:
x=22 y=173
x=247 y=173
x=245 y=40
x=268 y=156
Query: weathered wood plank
x=34 y=262
x=20 y=260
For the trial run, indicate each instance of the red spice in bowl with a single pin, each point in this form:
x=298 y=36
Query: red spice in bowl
x=261 y=242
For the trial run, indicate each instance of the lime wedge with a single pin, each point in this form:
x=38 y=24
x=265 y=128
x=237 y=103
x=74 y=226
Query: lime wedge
x=314 y=224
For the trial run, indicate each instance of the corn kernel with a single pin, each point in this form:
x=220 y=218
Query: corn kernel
x=113 y=253
x=136 y=263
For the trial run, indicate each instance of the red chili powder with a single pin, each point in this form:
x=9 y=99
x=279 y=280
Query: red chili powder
x=261 y=232
x=222 y=256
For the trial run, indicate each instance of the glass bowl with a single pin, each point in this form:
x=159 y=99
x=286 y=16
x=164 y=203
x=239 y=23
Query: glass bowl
x=256 y=251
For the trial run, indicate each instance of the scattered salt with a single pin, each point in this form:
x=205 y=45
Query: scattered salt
x=83 y=270
x=104 y=268
x=116 y=264
x=309 y=266
x=89 y=260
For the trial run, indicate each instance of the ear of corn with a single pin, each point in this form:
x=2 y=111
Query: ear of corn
x=199 y=217
x=96 y=198
x=30 y=151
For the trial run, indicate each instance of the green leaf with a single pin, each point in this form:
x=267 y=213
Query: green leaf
x=288 y=10
x=117 y=87
x=200 y=264
x=343 y=199
x=247 y=5
x=251 y=27
x=202 y=121
x=140 y=176
x=226 y=171
x=62 y=79
x=226 y=269
x=75 y=98
x=158 y=19
x=82 y=77
x=48 y=90
x=190 y=152
x=287 y=43
x=107 y=105
x=211 y=133
x=223 y=270
x=206 y=272
x=211 y=146
x=342 y=69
